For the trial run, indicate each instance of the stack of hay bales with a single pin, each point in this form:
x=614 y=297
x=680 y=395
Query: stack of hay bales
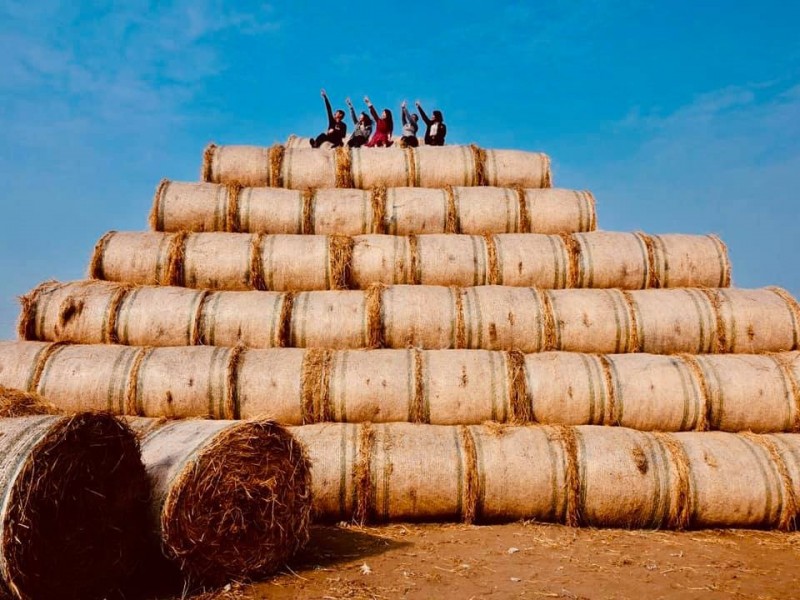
x=388 y=303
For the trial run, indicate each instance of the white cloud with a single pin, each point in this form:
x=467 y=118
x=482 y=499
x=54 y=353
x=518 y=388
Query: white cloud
x=128 y=65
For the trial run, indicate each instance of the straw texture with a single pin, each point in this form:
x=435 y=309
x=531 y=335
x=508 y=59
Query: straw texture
x=231 y=498
x=73 y=495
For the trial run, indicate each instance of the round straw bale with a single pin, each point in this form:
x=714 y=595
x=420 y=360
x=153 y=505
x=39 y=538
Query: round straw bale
x=74 y=507
x=185 y=206
x=254 y=319
x=244 y=165
x=736 y=383
x=533 y=260
x=497 y=317
x=270 y=384
x=333 y=319
x=557 y=210
x=381 y=259
x=232 y=498
x=342 y=212
x=18 y=363
x=373 y=167
x=509 y=168
x=487 y=210
x=415 y=211
x=270 y=210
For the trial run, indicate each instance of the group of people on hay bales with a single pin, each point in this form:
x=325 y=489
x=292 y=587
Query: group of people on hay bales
x=384 y=126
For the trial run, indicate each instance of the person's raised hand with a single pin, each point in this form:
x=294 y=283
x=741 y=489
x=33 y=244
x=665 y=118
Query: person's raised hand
x=366 y=100
x=403 y=104
x=347 y=101
x=322 y=93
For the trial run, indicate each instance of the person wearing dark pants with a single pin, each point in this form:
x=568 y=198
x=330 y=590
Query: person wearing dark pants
x=410 y=128
x=337 y=128
x=363 y=127
x=436 y=129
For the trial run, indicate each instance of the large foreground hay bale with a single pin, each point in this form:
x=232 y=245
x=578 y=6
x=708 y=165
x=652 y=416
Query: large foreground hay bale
x=365 y=168
x=695 y=321
x=445 y=387
x=232 y=498
x=596 y=476
x=73 y=511
x=179 y=206
x=237 y=261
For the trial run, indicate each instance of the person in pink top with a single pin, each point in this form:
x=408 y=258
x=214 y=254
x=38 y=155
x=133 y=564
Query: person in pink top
x=383 y=126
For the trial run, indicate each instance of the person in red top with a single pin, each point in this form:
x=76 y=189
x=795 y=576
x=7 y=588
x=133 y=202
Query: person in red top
x=383 y=126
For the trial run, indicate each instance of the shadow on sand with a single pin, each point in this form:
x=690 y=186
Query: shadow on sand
x=328 y=546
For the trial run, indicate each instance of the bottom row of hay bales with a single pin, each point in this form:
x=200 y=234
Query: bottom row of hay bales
x=229 y=500
x=584 y=475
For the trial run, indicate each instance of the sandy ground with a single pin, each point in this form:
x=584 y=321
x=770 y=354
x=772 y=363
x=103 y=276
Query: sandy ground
x=526 y=560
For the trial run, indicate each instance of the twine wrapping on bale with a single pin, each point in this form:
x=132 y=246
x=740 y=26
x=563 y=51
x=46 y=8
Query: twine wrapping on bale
x=232 y=222
x=219 y=260
x=232 y=498
x=378 y=204
x=479 y=155
x=307 y=227
x=340 y=252
x=74 y=506
x=276 y=154
x=430 y=317
x=198 y=207
x=588 y=475
x=344 y=174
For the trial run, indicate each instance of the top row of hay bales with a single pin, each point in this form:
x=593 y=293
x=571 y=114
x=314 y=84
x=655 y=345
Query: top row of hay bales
x=365 y=168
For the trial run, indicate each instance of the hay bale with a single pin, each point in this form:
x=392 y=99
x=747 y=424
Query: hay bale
x=74 y=512
x=364 y=168
x=596 y=476
x=483 y=317
x=230 y=261
x=445 y=387
x=231 y=498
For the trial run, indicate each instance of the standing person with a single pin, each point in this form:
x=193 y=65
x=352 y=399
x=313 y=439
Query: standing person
x=337 y=128
x=363 y=127
x=437 y=130
x=410 y=128
x=384 y=125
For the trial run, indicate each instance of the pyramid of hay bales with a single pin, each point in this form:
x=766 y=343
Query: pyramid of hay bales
x=452 y=338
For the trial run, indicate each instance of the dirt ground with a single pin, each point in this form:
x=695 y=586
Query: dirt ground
x=527 y=560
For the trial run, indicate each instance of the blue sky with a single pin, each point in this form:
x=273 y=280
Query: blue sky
x=680 y=116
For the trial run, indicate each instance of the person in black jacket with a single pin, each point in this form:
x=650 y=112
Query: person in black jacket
x=337 y=128
x=436 y=129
